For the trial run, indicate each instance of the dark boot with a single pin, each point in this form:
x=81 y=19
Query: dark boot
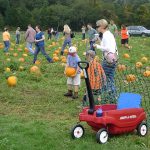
x=61 y=53
x=68 y=94
x=75 y=96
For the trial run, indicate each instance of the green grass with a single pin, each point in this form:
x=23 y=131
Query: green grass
x=35 y=115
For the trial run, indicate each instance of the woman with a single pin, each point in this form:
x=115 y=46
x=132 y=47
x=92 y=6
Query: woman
x=39 y=42
x=18 y=36
x=49 y=33
x=67 y=41
x=108 y=47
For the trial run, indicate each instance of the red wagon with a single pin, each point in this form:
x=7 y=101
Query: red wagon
x=111 y=119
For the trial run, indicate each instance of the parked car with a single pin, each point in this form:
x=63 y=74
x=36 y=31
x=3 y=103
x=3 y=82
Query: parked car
x=138 y=31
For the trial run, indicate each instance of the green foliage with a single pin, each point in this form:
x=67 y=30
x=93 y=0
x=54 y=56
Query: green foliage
x=56 y=13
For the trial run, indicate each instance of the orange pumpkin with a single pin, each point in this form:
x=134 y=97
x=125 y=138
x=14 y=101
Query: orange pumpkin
x=130 y=78
x=12 y=81
x=121 y=67
x=26 y=50
x=146 y=73
x=126 y=55
x=34 y=69
x=56 y=52
x=15 y=54
x=65 y=51
x=144 y=59
x=55 y=59
x=70 y=71
x=139 y=65
x=19 y=49
x=21 y=59
x=64 y=60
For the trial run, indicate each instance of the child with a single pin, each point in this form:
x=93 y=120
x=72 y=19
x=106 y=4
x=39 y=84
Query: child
x=6 y=39
x=124 y=36
x=96 y=74
x=73 y=82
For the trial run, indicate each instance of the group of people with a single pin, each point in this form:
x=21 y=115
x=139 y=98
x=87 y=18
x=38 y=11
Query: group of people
x=97 y=71
x=107 y=32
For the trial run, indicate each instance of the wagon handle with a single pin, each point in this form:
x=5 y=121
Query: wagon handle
x=83 y=67
x=88 y=86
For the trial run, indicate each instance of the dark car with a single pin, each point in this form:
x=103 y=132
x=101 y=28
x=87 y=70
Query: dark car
x=138 y=31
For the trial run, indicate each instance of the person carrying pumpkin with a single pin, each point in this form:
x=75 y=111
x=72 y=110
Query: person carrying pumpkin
x=72 y=71
x=96 y=74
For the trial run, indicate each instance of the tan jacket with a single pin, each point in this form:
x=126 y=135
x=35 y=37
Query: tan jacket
x=30 y=35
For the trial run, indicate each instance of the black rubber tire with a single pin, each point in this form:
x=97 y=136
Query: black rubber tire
x=142 y=129
x=100 y=135
x=73 y=131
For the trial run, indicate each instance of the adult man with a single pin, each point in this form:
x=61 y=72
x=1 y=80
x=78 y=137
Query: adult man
x=29 y=37
x=92 y=36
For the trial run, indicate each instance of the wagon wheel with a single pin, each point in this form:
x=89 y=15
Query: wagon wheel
x=142 y=129
x=77 y=131
x=102 y=136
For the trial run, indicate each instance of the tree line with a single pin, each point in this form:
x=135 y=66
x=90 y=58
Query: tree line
x=56 y=13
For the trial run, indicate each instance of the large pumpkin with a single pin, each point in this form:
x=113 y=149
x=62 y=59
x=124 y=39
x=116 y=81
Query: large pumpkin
x=130 y=78
x=12 y=81
x=70 y=71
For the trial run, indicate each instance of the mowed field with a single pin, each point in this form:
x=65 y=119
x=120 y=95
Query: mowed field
x=34 y=115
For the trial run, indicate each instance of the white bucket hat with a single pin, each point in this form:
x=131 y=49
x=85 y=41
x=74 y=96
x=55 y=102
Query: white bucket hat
x=72 y=49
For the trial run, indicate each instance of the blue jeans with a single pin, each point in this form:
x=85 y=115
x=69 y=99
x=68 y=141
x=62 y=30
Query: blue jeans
x=91 y=45
x=42 y=49
x=109 y=70
x=17 y=39
x=66 y=41
x=29 y=46
x=7 y=45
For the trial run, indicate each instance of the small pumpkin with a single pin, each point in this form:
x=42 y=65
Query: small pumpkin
x=121 y=67
x=37 y=62
x=82 y=75
x=34 y=69
x=7 y=69
x=24 y=55
x=56 y=58
x=12 y=81
x=70 y=71
x=15 y=54
x=21 y=59
x=126 y=55
x=139 y=65
x=144 y=59
x=66 y=51
x=21 y=68
x=56 y=52
x=130 y=78
x=146 y=73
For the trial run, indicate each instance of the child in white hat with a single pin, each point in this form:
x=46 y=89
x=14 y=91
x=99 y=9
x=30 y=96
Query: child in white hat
x=73 y=82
